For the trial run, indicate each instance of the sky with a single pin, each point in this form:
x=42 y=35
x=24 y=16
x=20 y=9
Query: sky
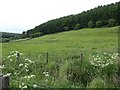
x=17 y=16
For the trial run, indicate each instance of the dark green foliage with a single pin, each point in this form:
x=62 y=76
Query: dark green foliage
x=24 y=35
x=77 y=26
x=66 y=28
x=99 y=16
x=3 y=40
x=6 y=37
x=111 y=22
x=9 y=35
x=99 y=24
x=80 y=72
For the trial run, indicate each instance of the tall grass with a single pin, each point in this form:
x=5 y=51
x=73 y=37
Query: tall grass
x=67 y=73
x=64 y=68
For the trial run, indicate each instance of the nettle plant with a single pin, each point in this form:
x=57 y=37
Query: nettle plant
x=106 y=64
x=20 y=69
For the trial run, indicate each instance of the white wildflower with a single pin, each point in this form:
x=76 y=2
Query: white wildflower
x=46 y=80
x=28 y=77
x=17 y=51
x=27 y=70
x=9 y=56
x=15 y=73
x=26 y=66
x=12 y=55
x=21 y=54
x=24 y=87
x=20 y=64
x=11 y=60
x=35 y=86
x=12 y=52
x=26 y=59
x=30 y=61
x=25 y=77
x=2 y=66
x=32 y=76
x=23 y=84
x=15 y=55
x=46 y=74
x=7 y=75
x=20 y=86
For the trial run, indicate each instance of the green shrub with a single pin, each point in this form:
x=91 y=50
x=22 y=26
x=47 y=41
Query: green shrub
x=80 y=72
x=77 y=27
x=111 y=22
x=90 y=24
x=99 y=23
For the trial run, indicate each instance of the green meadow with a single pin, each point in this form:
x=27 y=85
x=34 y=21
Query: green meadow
x=65 y=68
x=103 y=39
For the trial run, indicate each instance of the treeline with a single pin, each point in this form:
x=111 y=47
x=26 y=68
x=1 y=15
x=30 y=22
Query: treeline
x=102 y=16
x=6 y=37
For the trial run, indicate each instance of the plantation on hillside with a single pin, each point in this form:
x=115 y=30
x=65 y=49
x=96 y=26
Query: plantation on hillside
x=99 y=67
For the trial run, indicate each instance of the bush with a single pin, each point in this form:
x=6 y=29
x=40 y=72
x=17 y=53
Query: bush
x=111 y=22
x=90 y=24
x=80 y=72
x=66 y=28
x=99 y=23
x=77 y=26
x=5 y=40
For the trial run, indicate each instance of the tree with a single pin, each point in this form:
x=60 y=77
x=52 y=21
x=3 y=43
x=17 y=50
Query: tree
x=24 y=35
x=99 y=23
x=90 y=24
x=86 y=19
x=77 y=26
x=111 y=22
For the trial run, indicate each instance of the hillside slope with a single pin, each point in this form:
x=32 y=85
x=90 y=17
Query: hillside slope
x=107 y=15
x=103 y=39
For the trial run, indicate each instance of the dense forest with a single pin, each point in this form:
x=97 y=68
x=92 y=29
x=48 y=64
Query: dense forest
x=101 y=16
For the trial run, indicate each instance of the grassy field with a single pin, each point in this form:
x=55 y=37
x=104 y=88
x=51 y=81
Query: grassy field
x=64 y=68
x=85 y=39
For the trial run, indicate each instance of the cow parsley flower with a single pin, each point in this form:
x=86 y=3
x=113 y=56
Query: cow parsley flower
x=20 y=64
x=103 y=59
x=35 y=86
x=46 y=74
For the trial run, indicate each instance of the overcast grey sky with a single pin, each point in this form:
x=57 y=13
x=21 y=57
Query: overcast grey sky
x=20 y=15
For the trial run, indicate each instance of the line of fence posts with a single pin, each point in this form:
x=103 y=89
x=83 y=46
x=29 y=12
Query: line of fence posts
x=4 y=80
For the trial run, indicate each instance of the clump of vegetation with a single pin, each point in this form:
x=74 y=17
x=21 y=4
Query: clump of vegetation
x=20 y=69
x=111 y=22
x=90 y=24
x=93 y=72
x=97 y=83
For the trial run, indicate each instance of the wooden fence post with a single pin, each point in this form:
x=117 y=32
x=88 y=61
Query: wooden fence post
x=4 y=82
x=81 y=57
x=0 y=82
x=17 y=56
x=47 y=58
